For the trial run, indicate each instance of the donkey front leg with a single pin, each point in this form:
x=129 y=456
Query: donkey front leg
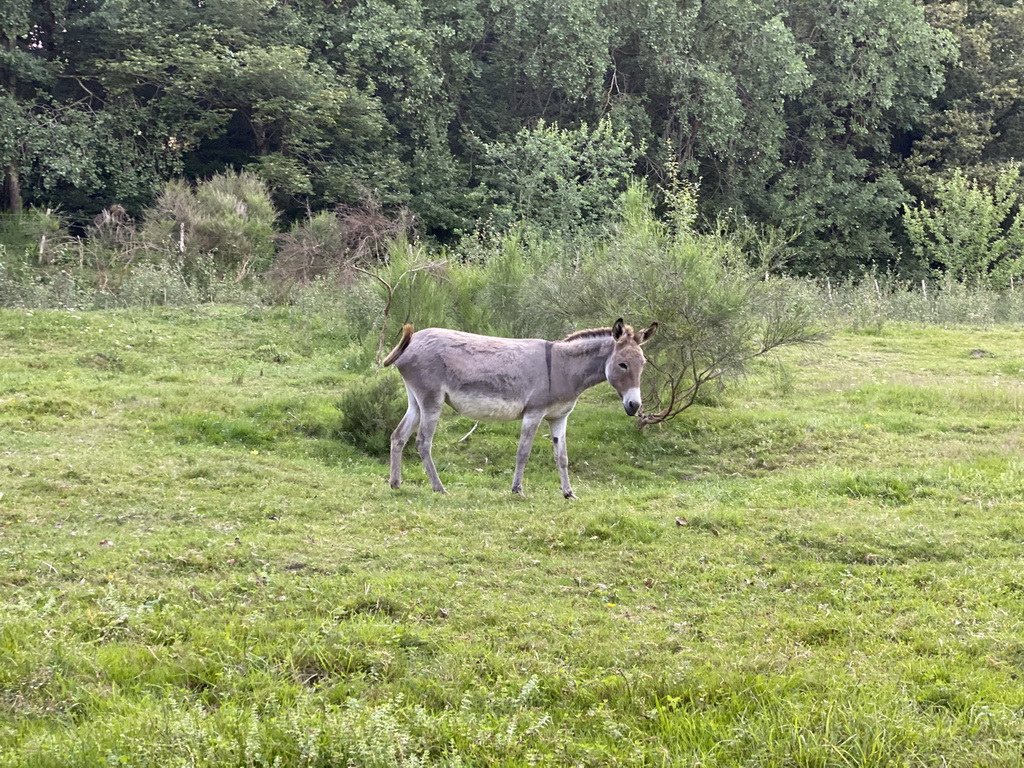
x=400 y=437
x=430 y=413
x=530 y=423
x=561 y=455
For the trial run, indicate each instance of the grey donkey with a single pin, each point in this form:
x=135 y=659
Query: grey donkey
x=498 y=379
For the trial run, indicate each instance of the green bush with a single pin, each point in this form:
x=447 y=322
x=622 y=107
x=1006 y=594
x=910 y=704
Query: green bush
x=715 y=297
x=221 y=228
x=371 y=409
x=973 y=233
x=32 y=238
x=714 y=294
x=559 y=180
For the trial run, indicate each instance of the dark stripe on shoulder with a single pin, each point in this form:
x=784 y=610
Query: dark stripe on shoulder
x=548 y=347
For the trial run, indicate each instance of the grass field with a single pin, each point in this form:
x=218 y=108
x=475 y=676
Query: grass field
x=822 y=566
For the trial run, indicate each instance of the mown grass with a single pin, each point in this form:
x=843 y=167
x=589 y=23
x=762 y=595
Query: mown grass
x=820 y=566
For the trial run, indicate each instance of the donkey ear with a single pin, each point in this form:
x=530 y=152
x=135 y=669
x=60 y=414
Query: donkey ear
x=618 y=329
x=645 y=335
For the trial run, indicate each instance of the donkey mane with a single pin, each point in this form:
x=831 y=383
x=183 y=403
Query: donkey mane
x=590 y=333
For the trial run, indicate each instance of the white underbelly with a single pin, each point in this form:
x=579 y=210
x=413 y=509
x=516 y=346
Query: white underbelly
x=486 y=408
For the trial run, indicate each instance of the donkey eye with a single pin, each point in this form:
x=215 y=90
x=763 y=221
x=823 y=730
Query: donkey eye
x=623 y=366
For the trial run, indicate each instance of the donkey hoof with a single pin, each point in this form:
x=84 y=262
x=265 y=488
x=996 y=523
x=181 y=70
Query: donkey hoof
x=519 y=492
x=570 y=496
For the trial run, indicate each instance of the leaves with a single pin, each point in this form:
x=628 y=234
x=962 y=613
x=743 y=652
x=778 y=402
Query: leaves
x=716 y=312
x=560 y=180
x=820 y=118
x=974 y=233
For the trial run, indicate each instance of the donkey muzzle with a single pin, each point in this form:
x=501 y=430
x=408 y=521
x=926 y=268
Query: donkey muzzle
x=631 y=402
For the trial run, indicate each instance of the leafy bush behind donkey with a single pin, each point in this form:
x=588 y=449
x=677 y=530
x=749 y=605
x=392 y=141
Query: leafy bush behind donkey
x=714 y=294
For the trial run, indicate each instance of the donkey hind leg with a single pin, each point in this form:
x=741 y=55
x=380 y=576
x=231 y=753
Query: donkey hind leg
x=401 y=436
x=561 y=455
x=530 y=423
x=430 y=411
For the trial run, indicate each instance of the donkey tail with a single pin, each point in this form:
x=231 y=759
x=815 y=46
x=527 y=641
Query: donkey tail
x=400 y=347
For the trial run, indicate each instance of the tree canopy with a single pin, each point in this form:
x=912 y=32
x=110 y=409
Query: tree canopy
x=827 y=119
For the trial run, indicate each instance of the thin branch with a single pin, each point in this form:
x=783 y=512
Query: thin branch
x=391 y=297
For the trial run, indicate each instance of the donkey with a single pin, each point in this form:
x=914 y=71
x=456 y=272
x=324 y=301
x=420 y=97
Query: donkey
x=496 y=379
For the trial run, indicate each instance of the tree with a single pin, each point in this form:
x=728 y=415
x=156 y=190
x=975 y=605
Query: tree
x=976 y=122
x=236 y=89
x=974 y=233
x=559 y=180
x=132 y=94
x=875 y=64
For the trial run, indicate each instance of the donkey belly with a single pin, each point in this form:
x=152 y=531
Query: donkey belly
x=486 y=407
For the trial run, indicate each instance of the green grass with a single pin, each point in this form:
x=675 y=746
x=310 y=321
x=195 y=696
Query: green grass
x=821 y=568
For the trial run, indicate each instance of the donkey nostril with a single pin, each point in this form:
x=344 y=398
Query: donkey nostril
x=632 y=407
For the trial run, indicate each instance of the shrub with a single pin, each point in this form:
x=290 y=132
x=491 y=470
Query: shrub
x=315 y=248
x=512 y=277
x=717 y=303
x=371 y=409
x=714 y=294
x=973 y=233
x=220 y=228
x=36 y=236
x=556 y=179
x=413 y=286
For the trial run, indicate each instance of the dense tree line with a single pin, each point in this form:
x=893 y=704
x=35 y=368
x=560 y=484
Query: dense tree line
x=826 y=118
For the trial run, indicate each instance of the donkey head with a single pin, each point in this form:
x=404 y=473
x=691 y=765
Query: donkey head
x=626 y=363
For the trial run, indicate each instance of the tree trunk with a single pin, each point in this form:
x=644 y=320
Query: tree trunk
x=10 y=191
x=10 y=182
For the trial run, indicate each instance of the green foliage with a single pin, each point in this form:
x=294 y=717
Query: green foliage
x=505 y=276
x=818 y=119
x=222 y=227
x=718 y=307
x=370 y=410
x=499 y=286
x=874 y=66
x=419 y=282
x=976 y=123
x=559 y=180
x=34 y=236
x=974 y=233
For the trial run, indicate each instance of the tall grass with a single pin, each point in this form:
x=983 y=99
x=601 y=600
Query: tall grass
x=215 y=242
x=872 y=300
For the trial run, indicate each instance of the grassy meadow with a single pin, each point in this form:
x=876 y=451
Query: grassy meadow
x=822 y=565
